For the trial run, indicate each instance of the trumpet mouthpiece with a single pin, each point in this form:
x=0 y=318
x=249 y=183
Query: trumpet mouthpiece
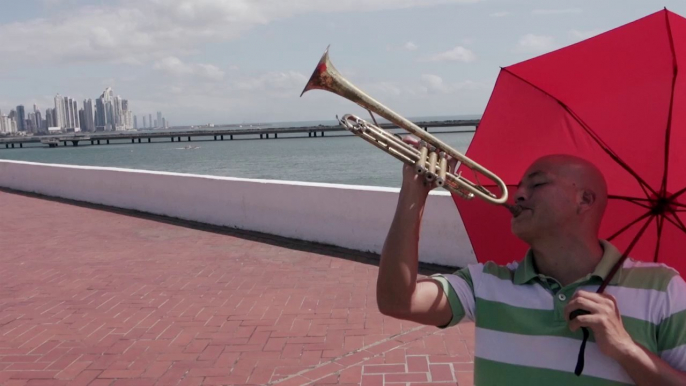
x=515 y=210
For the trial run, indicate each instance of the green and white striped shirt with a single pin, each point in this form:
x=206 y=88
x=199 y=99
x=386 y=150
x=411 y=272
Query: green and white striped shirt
x=522 y=337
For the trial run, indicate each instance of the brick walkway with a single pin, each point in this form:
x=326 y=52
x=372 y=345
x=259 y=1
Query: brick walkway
x=95 y=297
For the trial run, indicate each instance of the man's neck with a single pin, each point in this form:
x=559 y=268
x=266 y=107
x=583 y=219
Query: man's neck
x=567 y=260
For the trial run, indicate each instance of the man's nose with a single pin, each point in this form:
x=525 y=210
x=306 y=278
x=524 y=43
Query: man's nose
x=519 y=196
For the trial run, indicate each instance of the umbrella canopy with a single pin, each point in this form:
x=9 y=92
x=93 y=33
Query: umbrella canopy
x=617 y=100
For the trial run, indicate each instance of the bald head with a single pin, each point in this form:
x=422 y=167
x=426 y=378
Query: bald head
x=581 y=174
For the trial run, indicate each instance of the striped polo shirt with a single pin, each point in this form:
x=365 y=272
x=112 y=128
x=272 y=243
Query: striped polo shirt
x=522 y=337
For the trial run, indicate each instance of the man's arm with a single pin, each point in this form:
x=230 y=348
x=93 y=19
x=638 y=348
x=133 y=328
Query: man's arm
x=398 y=292
x=644 y=367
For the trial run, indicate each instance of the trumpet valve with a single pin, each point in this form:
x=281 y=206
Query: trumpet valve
x=442 y=169
x=431 y=173
x=421 y=162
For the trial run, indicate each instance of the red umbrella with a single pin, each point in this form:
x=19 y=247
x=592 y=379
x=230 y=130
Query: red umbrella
x=614 y=99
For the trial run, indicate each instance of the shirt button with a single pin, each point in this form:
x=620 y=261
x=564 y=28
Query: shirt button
x=562 y=297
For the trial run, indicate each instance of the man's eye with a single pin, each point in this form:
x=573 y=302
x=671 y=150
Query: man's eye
x=539 y=184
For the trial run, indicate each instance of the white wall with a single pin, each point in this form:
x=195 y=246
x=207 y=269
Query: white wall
x=356 y=217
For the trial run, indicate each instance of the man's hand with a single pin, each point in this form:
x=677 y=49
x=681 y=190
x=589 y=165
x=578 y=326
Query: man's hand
x=604 y=320
x=415 y=182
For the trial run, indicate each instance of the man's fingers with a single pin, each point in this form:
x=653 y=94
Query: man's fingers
x=589 y=321
x=411 y=140
x=580 y=303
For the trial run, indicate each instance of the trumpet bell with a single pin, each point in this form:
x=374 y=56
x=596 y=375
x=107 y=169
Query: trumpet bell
x=430 y=158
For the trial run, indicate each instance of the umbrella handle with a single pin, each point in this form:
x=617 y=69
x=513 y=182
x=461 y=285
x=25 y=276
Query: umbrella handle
x=580 y=360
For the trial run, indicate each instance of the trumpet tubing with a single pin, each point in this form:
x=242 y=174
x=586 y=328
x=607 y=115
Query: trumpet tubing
x=431 y=159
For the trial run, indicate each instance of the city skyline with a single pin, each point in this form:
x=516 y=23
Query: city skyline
x=110 y=113
x=230 y=61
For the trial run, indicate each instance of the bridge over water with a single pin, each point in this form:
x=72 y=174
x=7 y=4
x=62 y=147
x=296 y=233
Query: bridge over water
x=219 y=133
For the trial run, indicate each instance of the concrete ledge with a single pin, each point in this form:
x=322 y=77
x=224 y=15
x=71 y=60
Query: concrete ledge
x=355 y=217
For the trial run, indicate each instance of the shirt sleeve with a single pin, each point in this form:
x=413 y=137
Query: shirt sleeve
x=459 y=288
x=671 y=332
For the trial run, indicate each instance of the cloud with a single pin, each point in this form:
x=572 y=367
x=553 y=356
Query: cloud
x=531 y=43
x=409 y=46
x=499 y=14
x=139 y=31
x=434 y=84
x=457 y=54
x=175 y=67
x=290 y=81
x=555 y=11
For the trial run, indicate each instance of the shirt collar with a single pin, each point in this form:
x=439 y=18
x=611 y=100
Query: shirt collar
x=526 y=270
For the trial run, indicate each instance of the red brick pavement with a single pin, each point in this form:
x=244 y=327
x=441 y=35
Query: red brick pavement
x=94 y=297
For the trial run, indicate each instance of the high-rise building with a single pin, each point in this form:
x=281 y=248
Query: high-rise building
x=88 y=124
x=49 y=119
x=150 y=121
x=145 y=122
x=12 y=119
x=75 y=111
x=60 y=115
x=21 y=118
x=159 y=120
x=82 y=117
x=135 y=122
x=105 y=112
x=68 y=107
x=30 y=123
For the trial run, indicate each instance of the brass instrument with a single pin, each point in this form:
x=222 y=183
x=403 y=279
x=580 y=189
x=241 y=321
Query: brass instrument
x=431 y=159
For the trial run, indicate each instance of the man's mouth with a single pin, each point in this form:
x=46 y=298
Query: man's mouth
x=517 y=210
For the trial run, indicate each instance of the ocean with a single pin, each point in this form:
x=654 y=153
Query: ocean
x=339 y=157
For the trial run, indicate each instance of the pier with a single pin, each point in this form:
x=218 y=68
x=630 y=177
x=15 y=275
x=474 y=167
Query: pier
x=220 y=133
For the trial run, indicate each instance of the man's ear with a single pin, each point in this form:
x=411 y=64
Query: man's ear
x=586 y=200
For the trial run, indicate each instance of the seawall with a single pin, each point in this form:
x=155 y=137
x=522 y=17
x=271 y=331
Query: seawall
x=355 y=217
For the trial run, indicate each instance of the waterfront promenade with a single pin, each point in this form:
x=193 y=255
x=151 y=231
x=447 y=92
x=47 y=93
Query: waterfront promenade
x=94 y=296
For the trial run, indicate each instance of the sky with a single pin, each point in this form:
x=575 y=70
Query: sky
x=247 y=61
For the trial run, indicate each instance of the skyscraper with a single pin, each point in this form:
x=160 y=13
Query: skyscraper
x=38 y=120
x=89 y=123
x=150 y=120
x=75 y=111
x=21 y=118
x=49 y=122
x=82 y=117
x=61 y=120
x=135 y=122
x=105 y=112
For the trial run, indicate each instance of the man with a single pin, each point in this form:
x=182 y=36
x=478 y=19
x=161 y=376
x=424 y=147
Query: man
x=523 y=330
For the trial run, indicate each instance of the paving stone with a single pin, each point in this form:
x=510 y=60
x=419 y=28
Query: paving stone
x=94 y=296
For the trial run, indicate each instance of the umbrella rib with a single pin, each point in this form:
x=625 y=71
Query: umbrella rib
x=629 y=225
x=633 y=200
x=680 y=224
x=625 y=254
x=660 y=223
x=679 y=193
x=590 y=132
x=668 y=132
x=641 y=181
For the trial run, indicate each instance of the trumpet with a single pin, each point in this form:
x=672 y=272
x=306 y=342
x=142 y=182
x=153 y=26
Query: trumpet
x=430 y=158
